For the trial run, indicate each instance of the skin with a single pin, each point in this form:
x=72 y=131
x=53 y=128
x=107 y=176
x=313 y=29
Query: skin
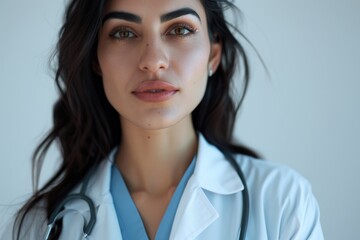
x=158 y=138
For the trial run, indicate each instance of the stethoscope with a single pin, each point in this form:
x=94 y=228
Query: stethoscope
x=59 y=212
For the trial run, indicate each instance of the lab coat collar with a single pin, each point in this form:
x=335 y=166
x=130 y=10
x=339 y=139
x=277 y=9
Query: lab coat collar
x=214 y=172
x=195 y=213
x=98 y=187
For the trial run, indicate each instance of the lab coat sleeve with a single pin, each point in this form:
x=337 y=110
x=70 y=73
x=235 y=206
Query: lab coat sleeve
x=301 y=215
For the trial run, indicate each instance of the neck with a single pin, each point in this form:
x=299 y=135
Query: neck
x=155 y=160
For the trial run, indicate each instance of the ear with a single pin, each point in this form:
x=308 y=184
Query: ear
x=215 y=55
x=96 y=67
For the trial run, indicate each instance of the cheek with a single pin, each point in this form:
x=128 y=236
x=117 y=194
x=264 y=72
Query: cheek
x=110 y=76
x=194 y=81
x=112 y=61
x=114 y=69
x=194 y=67
x=112 y=83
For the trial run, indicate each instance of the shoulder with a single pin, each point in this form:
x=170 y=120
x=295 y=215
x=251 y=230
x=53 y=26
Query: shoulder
x=266 y=174
x=261 y=176
x=275 y=184
x=281 y=199
x=282 y=205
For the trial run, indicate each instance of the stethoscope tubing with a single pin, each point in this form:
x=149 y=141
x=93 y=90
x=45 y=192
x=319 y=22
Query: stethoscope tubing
x=245 y=198
x=246 y=206
x=58 y=213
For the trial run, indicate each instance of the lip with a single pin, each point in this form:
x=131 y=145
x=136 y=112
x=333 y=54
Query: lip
x=155 y=91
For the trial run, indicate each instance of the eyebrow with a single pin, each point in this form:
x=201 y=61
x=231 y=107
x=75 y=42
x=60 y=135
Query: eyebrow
x=178 y=13
x=122 y=15
x=137 y=19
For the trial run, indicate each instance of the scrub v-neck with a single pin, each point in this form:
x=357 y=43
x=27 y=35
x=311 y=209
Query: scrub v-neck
x=130 y=222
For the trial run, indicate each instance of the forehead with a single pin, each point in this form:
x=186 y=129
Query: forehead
x=153 y=7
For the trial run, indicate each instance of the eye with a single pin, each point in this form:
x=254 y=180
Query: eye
x=122 y=33
x=182 y=30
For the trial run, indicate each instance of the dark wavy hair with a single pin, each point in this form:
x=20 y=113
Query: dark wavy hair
x=85 y=125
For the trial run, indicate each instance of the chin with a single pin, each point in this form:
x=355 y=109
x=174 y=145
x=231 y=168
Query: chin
x=160 y=124
x=161 y=121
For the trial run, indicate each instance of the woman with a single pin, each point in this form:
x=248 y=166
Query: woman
x=144 y=121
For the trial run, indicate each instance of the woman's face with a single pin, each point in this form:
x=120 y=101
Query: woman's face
x=154 y=57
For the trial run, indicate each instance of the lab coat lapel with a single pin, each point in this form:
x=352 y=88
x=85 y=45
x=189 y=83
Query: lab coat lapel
x=212 y=173
x=195 y=213
x=107 y=226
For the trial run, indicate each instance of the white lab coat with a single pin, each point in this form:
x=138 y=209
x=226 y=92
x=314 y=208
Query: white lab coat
x=282 y=205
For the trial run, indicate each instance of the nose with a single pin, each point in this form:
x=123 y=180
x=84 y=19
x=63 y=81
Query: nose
x=153 y=57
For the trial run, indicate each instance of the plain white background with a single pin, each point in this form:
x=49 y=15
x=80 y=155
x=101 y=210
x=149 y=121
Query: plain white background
x=306 y=116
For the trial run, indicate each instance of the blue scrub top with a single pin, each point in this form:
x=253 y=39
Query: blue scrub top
x=129 y=218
